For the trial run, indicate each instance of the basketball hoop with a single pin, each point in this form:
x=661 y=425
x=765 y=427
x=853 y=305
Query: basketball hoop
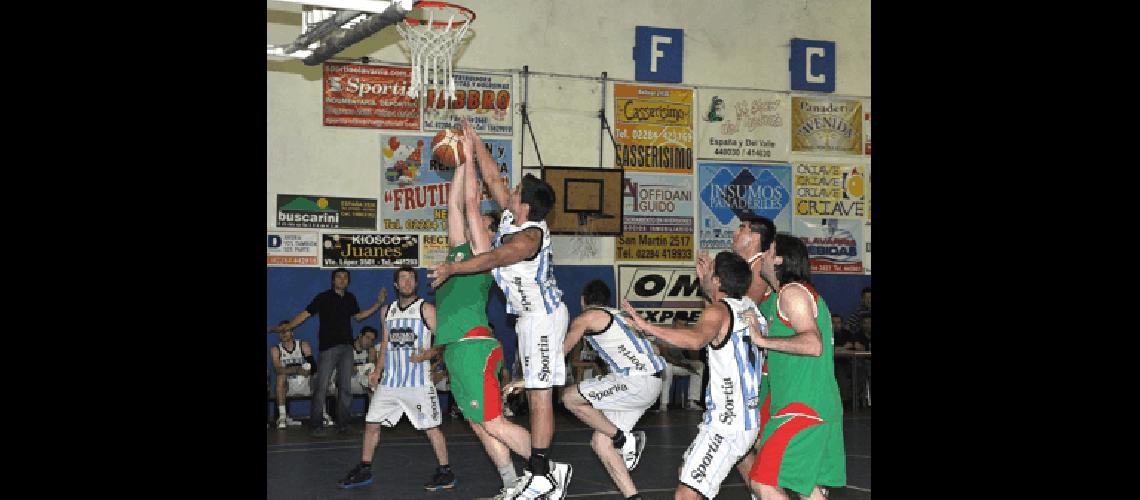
x=433 y=42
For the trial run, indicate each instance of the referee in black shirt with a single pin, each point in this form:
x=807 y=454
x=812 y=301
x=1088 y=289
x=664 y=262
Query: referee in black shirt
x=334 y=339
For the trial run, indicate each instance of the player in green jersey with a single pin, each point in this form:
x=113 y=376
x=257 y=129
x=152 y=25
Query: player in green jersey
x=471 y=353
x=801 y=447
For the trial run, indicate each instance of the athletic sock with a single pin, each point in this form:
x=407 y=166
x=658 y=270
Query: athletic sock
x=619 y=439
x=507 y=474
x=539 y=464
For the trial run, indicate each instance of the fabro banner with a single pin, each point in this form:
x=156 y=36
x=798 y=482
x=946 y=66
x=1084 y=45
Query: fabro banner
x=415 y=186
x=729 y=190
x=483 y=99
x=834 y=245
x=831 y=126
x=653 y=128
x=289 y=249
x=658 y=218
x=831 y=190
x=367 y=96
x=316 y=211
x=661 y=293
x=370 y=250
x=743 y=125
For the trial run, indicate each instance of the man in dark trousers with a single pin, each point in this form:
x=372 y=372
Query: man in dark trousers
x=334 y=339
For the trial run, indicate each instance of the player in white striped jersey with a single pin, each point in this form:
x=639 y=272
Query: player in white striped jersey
x=292 y=360
x=731 y=420
x=406 y=386
x=523 y=266
x=613 y=403
x=363 y=359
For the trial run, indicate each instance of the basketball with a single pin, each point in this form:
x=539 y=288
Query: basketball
x=447 y=149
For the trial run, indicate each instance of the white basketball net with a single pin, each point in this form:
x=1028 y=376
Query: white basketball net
x=432 y=50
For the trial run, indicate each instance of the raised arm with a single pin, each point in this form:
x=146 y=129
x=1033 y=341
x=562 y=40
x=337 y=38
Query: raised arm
x=455 y=236
x=480 y=233
x=360 y=316
x=292 y=324
x=487 y=167
x=708 y=328
x=797 y=305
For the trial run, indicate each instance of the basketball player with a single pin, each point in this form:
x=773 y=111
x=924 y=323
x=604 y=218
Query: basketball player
x=363 y=359
x=753 y=241
x=801 y=447
x=731 y=419
x=522 y=260
x=406 y=387
x=472 y=355
x=612 y=404
x=292 y=360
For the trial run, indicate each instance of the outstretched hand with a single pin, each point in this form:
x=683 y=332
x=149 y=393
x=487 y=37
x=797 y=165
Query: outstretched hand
x=635 y=318
x=439 y=274
x=382 y=295
x=704 y=266
x=470 y=139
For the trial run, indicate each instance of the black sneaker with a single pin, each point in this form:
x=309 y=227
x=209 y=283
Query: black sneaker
x=359 y=476
x=441 y=481
x=321 y=432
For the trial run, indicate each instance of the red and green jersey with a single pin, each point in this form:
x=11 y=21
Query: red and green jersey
x=461 y=303
x=798 y=378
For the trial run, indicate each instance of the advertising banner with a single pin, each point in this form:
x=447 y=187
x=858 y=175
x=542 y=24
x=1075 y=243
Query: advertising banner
x=834 y=246
x=828 y=126
x=658 y=218
x=729 y=190
x=316 y=211
x=289 y=249
x=369 y=96
x=369 y=250
x=414 y=186
x=831 y=190
x=653 y=128
x=742 y=125
x=661 y=293
x=483 y=99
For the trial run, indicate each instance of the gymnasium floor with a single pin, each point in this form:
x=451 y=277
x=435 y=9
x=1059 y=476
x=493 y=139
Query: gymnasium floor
x=302 y=467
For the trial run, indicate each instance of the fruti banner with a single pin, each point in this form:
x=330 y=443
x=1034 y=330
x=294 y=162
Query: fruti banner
x=414 y=186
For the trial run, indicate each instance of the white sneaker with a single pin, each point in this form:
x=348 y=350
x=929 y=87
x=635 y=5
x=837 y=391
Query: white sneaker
x=292 y=421
x=532 y=487
x=504 y=493
x=631 y=451
x=282 y=422
x=561 y=473
x=328 y=420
